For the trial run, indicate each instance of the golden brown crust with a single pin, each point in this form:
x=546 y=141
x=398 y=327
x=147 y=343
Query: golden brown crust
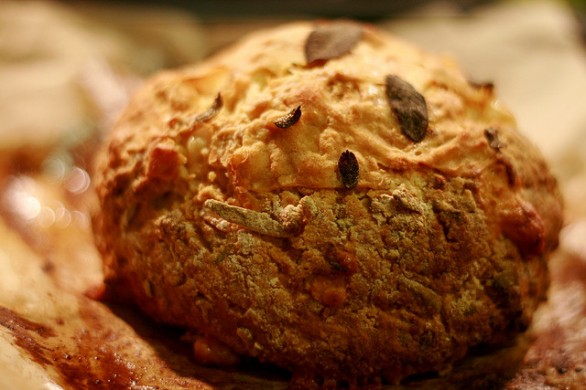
x=245 y=232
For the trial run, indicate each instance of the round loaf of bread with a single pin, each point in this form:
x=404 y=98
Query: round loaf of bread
x=329 y=199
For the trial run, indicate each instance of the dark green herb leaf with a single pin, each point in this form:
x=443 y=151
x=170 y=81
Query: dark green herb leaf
x=212 y=111
x=492 y=137
x=348 y=169
x=290 y=119
x=409 y=106
x=331 y=40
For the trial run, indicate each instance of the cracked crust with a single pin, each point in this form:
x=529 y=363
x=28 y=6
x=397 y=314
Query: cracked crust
x=244 y=233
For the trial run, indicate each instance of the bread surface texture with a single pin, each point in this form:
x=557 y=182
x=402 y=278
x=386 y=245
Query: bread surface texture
x=277 y=204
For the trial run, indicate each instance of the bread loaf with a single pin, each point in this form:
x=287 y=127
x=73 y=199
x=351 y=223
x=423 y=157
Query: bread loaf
x=327 y=198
